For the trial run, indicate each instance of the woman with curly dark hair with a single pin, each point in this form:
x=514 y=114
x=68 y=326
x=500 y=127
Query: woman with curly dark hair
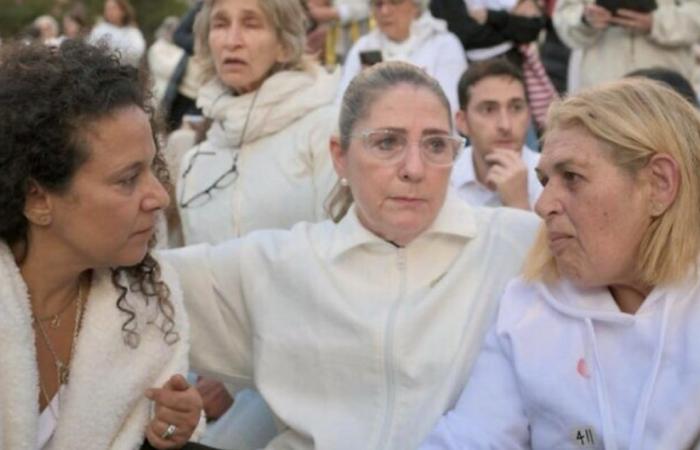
x=89 y=330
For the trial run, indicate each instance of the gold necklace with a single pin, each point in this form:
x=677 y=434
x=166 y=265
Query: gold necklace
x=63 y=369
x=56 y=318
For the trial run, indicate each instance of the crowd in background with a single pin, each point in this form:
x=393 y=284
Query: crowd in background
x=259 y=103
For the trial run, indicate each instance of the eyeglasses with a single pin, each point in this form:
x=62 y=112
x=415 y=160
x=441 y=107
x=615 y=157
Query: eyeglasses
x=390 y=146
x=376 y=4
x=222 y=181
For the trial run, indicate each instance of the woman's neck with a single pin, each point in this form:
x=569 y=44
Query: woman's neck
x=629 y=297
x=50 y=278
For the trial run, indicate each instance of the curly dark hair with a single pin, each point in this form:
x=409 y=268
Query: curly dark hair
x=47 y=97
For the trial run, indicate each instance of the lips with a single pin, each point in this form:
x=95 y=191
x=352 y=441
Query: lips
x=558 y=241
x=233 y=63
x=408 y=201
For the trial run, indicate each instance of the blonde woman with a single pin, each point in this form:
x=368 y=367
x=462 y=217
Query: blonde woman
x=593 y=347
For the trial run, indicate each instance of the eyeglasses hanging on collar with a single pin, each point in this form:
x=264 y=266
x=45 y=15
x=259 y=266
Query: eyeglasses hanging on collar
x=224 y=180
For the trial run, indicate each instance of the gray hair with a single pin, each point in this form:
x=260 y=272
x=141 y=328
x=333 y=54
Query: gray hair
x=288 y=19
x=364 y=90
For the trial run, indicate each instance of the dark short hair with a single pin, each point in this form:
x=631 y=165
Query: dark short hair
x=671 y=78
x=494 y=67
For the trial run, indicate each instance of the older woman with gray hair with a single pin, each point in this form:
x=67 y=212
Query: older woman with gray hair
x=407 y=32
x=265 y=161
x=594 y=346
x=359 y=332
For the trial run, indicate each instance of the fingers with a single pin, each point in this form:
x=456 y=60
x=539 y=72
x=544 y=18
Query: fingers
x=503 y=157
x=597 y=16
x=633 y=20
x=156 y=431
x=176 y=394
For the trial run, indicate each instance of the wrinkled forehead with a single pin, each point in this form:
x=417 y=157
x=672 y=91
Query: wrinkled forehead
x=406 y=106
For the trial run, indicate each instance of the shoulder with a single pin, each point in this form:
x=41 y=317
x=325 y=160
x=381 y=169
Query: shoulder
x=507 y=223
x=520 y=299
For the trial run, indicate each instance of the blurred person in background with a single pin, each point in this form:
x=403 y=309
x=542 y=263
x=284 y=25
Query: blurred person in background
x=120 y=31
x=612 y=43
x=406 y=31
x=48 y=29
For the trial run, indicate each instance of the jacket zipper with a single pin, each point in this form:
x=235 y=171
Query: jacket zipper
x=389 y=366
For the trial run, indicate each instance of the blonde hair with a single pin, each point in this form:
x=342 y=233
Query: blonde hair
x=634 y=119
x=362 y=92
x=287 y=18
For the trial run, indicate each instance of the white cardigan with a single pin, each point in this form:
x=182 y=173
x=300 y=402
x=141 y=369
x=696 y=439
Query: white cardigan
x=104 y=406
x=564 y=368
x=284 y=170
x=353 y=342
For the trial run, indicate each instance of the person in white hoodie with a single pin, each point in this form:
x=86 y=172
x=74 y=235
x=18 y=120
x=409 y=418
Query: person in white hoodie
x=406 y=31
x=593 y=346
x=359 y=332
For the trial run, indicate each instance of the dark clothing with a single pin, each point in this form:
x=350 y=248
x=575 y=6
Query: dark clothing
x=500 y=26
x=184 y=34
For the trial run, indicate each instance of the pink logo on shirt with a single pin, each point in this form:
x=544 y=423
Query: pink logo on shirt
x=582 y=368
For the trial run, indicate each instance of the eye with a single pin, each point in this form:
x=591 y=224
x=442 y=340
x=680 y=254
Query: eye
x=542 y=178
x=435 y=144
x=218 y=24
x=518 y=107
x=129 y=181
x=252 y=22
x=385 y=142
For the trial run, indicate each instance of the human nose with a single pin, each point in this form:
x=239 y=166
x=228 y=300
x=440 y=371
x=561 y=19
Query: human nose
x=548 y=204
x=234 y=36
x=157 y=196
x=412 y=166
x=505 y=120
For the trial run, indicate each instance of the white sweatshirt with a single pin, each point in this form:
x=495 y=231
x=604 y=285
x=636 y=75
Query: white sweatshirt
x=563 y=368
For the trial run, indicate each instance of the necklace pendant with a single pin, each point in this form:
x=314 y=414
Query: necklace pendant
x=56 y=321
x=63 y=373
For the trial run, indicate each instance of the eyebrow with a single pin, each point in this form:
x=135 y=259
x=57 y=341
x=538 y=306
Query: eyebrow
x=562 y=166
x=426 y=131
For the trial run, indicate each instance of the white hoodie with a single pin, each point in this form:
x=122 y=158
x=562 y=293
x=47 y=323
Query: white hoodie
x=563 y=368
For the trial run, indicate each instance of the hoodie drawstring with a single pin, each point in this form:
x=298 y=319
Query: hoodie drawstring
x=609 y=441
x=640 y=418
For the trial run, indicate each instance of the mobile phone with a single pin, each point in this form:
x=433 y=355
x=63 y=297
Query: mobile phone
x=643 y=6
x=370 y=57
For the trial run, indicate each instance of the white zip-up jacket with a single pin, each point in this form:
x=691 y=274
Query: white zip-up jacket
x=353 y=342
x=564 y=368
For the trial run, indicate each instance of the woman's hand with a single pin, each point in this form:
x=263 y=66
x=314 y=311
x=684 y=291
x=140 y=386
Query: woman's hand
x=634 y=20
x=597 y=16
x=178 y=408
x=479 y=14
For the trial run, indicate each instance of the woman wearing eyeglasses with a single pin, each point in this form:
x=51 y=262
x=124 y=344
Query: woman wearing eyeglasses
x=407 y=32
x=360 y=332
x=265 y=162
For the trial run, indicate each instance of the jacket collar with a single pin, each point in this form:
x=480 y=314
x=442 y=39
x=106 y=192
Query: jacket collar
x=455 y=218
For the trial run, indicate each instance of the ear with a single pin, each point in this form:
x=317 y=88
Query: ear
x=339 y=157
x=664 y=177
x=37 y=205
x=461 y=122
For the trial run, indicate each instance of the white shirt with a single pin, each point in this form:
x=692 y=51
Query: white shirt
x=48 y=420
x=469 y=189
x=353 y=342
